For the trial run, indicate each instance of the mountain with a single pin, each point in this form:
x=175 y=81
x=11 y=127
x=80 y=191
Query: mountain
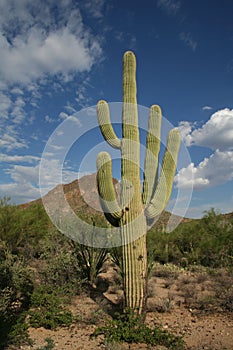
x=82 y=196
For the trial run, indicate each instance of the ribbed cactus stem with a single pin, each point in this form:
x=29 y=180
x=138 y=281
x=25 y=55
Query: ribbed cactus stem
x=129 y=78
x=106 y=188
x=106 y=126
x=135 y=207
x=152 y=153
x=134 y=251
x=164 y=188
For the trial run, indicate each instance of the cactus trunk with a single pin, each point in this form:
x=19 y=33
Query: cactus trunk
x=135 y=207
x=133 y=251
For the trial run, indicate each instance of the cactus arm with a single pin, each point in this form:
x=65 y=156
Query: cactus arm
x=164 y=188
x=106 y=189
x=152 y=152
x=106 y=126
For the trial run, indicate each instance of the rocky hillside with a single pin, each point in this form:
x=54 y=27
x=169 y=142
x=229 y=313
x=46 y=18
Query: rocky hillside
x=82 y=196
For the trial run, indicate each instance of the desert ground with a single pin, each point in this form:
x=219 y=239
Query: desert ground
x=193 y=303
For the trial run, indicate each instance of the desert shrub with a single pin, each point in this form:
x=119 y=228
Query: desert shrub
x=35 y=225
x=227 y=299
x=49 y=346
x=10 y=228
x=47 y=309
x=207 y=241
x=58 y=266
x=166 y=271
x=16 y=288
x=130 y=328
x=22 y=229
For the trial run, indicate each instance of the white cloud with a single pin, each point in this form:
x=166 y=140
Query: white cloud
x=185 y=128
x=48 y=119
x=36 y=44
x=18 y=113
x=206 y=108
x=127 y=38
x=24 y=174
x=18 y=159
x=11 y=141
x=40 y=41
x=94 y=8
x=12 y=115
x=188 y=40
x=216 y=133
x=5 y=104
x=24 y=185
x=212 y=171
x=73 y=118
x=82 y=97
x=60 y=52
x=17 y=91
x=170 y=6
x=20 y=193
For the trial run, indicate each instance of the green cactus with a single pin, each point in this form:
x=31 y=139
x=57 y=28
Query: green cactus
x=136 y=207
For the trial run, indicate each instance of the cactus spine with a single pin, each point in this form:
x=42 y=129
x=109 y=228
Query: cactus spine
x=135 y=208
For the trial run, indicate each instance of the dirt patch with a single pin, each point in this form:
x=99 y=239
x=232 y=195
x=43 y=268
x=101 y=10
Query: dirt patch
x=187 y=303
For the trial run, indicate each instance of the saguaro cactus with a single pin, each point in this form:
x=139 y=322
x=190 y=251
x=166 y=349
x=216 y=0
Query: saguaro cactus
x=136 y=207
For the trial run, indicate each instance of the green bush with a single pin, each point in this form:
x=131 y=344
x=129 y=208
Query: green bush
x=16 y=288
x=22 y=229
x=130 y=328
x=47 y=309
x=207 y=241
x=48 y=346
x=58 y=265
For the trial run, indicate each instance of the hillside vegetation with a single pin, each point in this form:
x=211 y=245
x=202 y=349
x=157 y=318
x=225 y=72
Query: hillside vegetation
x=40 y=269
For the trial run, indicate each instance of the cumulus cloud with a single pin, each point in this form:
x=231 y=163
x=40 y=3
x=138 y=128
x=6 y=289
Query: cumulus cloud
x=32 y=57
x=185 y=128
x=212 y=171
x=35 y=43
x=216 y=133
x=41 y=41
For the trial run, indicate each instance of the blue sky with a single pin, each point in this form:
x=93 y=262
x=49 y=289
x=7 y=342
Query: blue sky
x=58 y=57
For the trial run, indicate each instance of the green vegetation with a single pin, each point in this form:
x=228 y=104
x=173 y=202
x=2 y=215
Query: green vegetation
x=207 y=242
x=48 y=346
x=22 y=229
x=42 y=269
x=16 y=288
x=47 y=309
x=131 y=329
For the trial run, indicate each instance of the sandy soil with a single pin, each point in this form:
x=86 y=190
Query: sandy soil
x=181 y=303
